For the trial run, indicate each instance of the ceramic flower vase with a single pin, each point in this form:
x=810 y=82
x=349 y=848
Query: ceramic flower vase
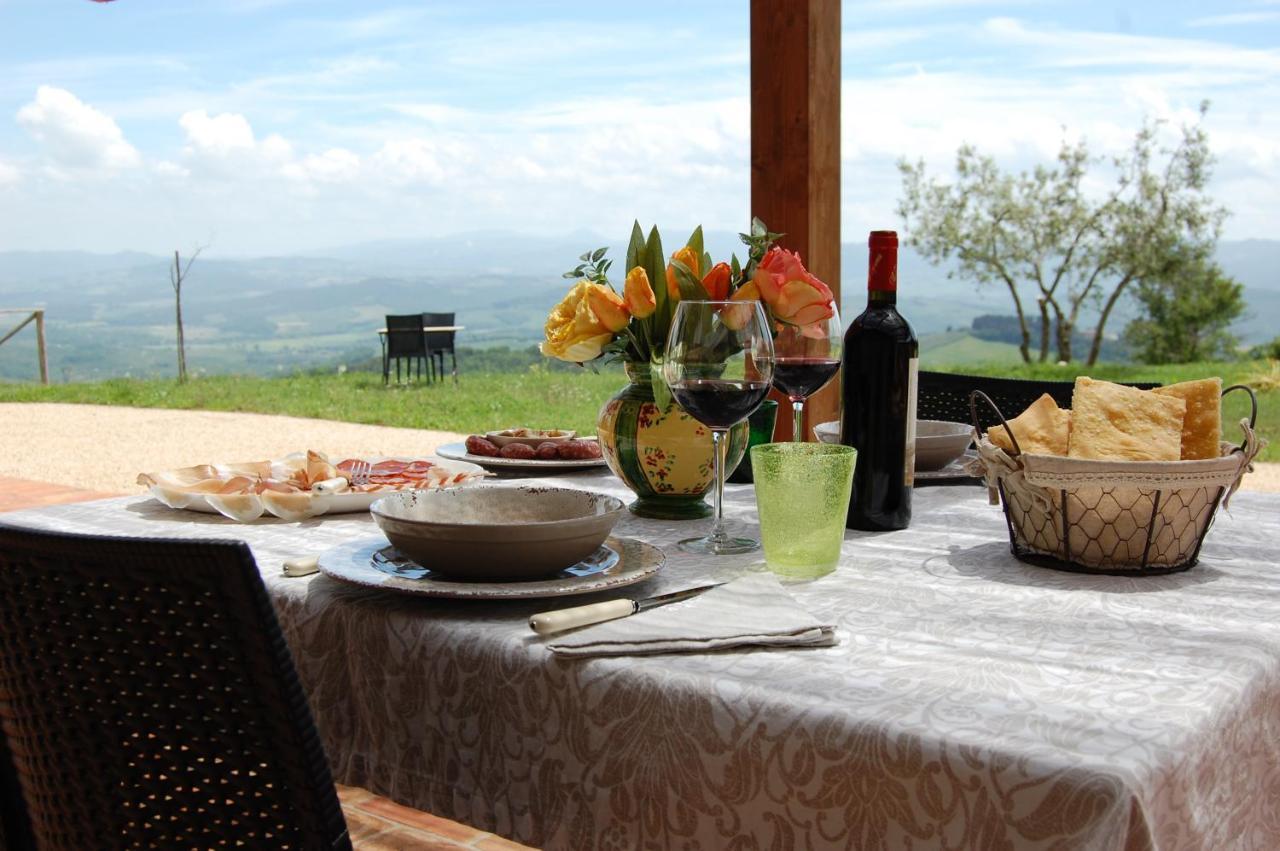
x=665 y=457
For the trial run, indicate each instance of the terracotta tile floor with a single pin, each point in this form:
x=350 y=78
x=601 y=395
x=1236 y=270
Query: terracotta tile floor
x=375 y=823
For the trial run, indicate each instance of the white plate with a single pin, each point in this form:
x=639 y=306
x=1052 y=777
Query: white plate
x=337 y=503
x=374 y=563
x=458 y=451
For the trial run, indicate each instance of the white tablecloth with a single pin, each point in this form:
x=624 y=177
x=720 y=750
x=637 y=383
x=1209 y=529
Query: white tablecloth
x=972 y=702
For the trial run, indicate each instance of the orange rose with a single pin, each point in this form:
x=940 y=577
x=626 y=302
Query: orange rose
x=639 y=294
x=716 y=282
x=688 y=258
x=794 y=295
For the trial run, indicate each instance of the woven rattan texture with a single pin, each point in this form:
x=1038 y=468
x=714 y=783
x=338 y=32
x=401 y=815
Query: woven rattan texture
x=149 y=700
x=945 y=396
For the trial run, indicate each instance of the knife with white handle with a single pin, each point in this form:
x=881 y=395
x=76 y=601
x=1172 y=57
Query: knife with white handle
x=302 y=566
x=547 y=623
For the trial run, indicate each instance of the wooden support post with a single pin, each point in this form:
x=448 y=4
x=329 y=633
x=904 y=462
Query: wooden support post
x=41 y=351
x=795 y=146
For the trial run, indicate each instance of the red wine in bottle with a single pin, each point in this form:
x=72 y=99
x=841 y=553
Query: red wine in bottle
x=879 y=396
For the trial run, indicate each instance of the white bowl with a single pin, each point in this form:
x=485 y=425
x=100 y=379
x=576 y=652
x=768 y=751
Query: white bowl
x=497 y=531
x=938 y=442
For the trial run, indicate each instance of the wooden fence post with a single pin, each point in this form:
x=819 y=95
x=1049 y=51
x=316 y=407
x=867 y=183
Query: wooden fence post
x=795 y=146
x=41 y=351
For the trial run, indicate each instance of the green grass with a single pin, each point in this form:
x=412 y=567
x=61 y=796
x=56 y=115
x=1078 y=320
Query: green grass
x=479 y=402
x=541 y=398
x=965 y=349
x=1263 y=376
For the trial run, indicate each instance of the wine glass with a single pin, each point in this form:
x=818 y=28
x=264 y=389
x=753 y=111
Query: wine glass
x=807 y=357
x=718 y=363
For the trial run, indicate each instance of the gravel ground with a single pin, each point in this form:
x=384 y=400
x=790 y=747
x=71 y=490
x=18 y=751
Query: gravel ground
x=103 y=447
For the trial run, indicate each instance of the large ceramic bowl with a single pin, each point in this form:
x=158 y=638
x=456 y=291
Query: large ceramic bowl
x=938 y=442
x=497 y=531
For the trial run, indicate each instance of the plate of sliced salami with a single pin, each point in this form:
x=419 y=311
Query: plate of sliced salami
x=298 y=486
x=569 y=454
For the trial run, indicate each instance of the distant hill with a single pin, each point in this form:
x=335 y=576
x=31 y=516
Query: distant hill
x=112 y=314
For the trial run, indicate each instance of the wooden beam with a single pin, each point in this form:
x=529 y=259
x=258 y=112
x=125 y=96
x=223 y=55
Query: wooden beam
x=795 y=145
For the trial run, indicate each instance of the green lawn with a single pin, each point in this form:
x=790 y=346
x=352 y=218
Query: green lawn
x=479 y=402
x=545 y=399
x=1263 y=376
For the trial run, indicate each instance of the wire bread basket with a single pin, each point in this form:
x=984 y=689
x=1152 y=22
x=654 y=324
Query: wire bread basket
x=1110 y=517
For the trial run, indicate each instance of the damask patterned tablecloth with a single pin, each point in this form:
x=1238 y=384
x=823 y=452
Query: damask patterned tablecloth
x=972 y=702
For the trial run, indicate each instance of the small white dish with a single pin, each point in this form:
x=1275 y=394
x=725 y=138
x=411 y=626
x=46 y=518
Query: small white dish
x=938 y=442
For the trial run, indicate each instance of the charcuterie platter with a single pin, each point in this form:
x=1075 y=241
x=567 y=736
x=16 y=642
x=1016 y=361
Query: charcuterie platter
x=301 y=485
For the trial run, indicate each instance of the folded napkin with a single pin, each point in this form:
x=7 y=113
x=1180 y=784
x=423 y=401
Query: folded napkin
x=751 y=610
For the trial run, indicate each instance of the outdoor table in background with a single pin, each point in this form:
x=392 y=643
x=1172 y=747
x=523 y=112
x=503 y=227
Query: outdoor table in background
x=972 y=700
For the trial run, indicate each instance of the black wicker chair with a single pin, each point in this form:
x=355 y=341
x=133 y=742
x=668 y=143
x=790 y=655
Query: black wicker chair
x=945 y=396
x=440 y=342
x=404 y=339
x=148 y=700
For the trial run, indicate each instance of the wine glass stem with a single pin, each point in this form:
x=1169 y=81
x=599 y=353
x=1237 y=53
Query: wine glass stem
x=719 y=445
x=797 y=424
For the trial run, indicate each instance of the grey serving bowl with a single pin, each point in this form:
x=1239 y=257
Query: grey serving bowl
x=938 y=442
x=497 y=531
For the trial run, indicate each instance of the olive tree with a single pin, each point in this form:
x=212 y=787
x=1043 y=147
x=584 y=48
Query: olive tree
x=1186 y=315
x=1056 y=245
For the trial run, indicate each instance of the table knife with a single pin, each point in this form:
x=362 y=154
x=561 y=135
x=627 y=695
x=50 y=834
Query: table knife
x=546 y=623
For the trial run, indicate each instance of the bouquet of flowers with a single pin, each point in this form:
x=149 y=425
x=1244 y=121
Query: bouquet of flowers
x=596 y=321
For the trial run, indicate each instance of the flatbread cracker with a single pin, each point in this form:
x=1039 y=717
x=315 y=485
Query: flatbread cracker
x=1202 y=424
x=1042 y=429
x=1111 y=422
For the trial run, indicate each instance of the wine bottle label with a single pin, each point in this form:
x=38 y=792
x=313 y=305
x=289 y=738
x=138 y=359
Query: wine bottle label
x=909 y=474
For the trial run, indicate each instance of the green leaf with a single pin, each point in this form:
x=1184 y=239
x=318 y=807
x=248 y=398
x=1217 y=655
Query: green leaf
x=691 y=288
x=655 y=267
x=661 y=392
x=695 y=243
x=570 y=275
x=635 y=248
x=757 y=227
x=598 y=253
x=735 y=267
x=585 y=257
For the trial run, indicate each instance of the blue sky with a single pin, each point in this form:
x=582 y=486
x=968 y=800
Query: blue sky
x=271 y=126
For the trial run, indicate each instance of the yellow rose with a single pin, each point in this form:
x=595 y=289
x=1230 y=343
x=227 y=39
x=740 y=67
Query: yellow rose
x=573 y=332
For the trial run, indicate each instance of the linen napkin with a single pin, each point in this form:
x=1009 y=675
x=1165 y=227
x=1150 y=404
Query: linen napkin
x=753 y=610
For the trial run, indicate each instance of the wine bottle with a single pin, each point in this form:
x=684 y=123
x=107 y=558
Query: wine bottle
x=879 y=396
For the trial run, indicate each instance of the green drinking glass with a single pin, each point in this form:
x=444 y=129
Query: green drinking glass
x=802 y=496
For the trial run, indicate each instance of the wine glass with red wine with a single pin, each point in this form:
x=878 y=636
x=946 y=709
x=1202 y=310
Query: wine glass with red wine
x=806 y=358
x=719 y=363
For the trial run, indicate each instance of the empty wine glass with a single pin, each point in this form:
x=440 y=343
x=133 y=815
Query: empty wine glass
x=807 y=357
x=719 y=363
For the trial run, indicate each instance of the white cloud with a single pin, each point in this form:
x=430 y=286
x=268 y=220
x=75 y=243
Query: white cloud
x=336 y=165
x=9 y=174
x=76 y=135
x=219 y=135
x=1234 y=19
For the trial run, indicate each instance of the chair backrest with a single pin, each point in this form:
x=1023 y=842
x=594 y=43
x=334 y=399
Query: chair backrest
x=945 y=396
x=404 y=336
x=148 y=699
x=439 y=341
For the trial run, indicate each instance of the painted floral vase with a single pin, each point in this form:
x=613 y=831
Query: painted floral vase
x=665 y=456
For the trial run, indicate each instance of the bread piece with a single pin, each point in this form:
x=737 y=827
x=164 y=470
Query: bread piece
x=1202 y=425
x=1041 y=429
x=1111 y=422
